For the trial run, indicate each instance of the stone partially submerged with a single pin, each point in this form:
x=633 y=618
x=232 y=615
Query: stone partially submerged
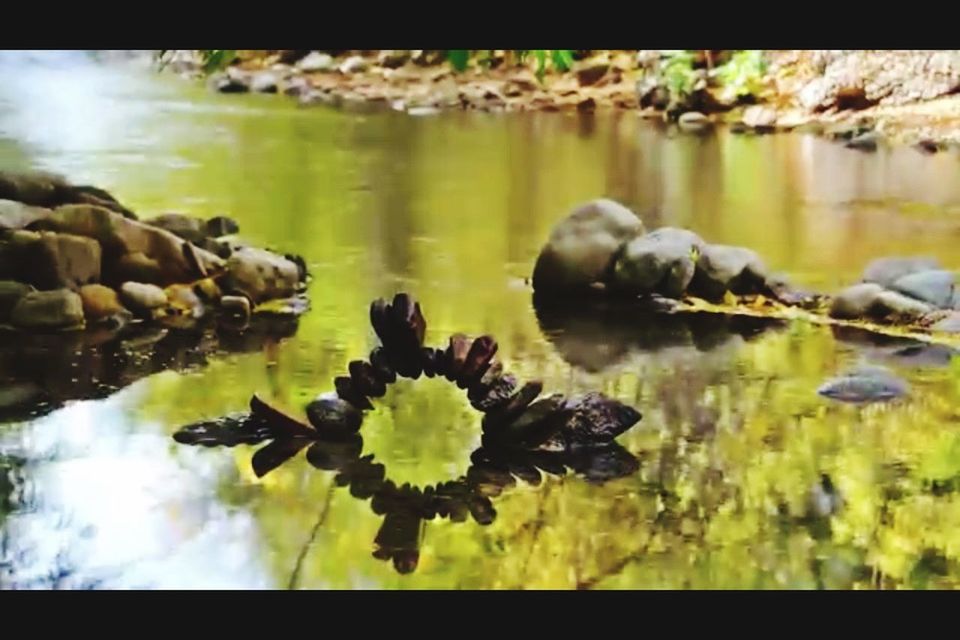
x=602 y=247
x=582 y=247
x=864 y=384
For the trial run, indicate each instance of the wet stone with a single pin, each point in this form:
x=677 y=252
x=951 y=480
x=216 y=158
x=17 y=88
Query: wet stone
x=863 y=385
x=495 y=421
x=456 y=355
x=430 y=358
x=477 y=361
x=886 y=271
x=347 y=390
x=596 y=419
x=365 y=379
x=497 y=395
x=538 y=422
x=330 y=414
x=381 y=366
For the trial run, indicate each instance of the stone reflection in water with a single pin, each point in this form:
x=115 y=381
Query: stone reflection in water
x=41 y=372
x=892 y=350
x=406 y=509
x=603 y=334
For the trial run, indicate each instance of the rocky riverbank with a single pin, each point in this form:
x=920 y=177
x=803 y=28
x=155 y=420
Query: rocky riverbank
x=862 y=99
x=73 y=257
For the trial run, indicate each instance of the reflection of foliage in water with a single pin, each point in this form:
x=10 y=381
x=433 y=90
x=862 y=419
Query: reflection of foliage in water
x=450 y=211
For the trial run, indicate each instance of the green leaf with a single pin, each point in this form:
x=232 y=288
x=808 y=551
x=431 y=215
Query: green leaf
x=541 y=55
x=458 y=58
x=562 y=59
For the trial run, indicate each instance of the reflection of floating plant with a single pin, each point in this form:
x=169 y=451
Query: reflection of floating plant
x=522 y=435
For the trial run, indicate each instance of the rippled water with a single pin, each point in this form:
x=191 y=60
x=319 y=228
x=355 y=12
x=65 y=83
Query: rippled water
x=735 y=448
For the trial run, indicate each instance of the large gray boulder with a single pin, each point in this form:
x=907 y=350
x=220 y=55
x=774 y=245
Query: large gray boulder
x=661 y=262
x=582 y=246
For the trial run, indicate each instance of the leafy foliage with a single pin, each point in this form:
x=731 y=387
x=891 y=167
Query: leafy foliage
x=561 y=59
x=743 y=74
x=678 y=72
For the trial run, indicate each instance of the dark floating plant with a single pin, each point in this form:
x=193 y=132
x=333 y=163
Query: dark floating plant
x=522 y=435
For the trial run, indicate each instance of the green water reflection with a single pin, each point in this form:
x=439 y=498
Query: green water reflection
x=454 y=209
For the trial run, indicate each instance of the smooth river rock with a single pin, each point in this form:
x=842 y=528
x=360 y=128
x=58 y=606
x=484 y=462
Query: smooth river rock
x=582 y=246
x=58 y=309
x=661 y=262
x=722 y=268
x=935 y=287
x=864 y=384
x=886 y=271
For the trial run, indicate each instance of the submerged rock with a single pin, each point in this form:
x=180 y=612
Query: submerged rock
x=58 y=309
x=864 y=384
x=582 y=246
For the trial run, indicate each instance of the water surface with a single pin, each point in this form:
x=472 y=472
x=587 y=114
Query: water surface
x=734 y=444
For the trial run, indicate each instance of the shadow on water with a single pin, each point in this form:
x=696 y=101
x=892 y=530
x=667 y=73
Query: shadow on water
x=39 y=373
x=602 y=334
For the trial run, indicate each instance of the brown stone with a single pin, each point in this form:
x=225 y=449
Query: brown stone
x=100 y=302
x=51 y=260
x=477 y=361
